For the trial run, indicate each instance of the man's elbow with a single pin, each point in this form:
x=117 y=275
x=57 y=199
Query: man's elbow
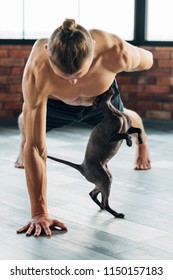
x=150 y=60
x=146 y=62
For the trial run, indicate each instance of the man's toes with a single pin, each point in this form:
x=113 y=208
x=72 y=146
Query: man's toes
x=19 y=164
x=142 y=166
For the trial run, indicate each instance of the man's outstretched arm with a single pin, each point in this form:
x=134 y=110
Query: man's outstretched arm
x=137 y=59
x=35 y=152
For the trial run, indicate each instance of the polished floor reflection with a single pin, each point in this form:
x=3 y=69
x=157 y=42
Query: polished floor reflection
x=146 y=198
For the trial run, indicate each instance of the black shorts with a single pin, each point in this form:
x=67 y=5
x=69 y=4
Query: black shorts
x=60 y=114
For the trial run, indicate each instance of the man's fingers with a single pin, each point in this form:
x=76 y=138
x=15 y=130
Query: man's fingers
x=23 y=229
x=37 y=231
x=37 y=227
x=56 y=223
x=30 y=230
x=47 y=231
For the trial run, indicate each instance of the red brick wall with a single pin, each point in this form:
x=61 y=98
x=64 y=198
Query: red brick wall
x=150 y=92
x=12 y=61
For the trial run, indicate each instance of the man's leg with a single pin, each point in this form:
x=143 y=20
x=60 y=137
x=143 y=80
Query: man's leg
x=142 y=161
x=93 y=117
x=90 y=117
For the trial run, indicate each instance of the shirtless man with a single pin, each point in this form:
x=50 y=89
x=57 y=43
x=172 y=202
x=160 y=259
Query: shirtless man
x=62 y=77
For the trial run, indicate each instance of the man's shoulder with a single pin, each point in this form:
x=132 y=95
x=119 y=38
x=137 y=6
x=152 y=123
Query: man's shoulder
x=99 y=34
x=40 y=43
x=37 y=58
x=38 y=51
x=106 y=38
x=103 y=33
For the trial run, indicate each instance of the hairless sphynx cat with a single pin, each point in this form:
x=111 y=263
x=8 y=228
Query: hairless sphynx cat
x=104 y=142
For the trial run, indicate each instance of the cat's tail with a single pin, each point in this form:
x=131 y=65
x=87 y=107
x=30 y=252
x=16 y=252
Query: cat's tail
x=69 y=163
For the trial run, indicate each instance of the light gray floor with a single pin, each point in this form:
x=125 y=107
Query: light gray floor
x=146 y=198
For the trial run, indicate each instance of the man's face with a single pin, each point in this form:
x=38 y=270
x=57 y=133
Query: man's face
x=72 y=78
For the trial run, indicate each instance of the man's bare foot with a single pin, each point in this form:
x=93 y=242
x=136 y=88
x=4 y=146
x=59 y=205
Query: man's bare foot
x=19 y=163
x=142 y=152
x=142 y=158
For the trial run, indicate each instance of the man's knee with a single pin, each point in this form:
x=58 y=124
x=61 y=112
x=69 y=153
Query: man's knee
x=135 y=118
x=132 y=114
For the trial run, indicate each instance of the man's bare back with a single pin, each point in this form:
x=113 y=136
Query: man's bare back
x=44 y=79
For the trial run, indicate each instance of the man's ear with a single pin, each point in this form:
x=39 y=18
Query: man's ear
x=94 y=42
x=46 y=47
